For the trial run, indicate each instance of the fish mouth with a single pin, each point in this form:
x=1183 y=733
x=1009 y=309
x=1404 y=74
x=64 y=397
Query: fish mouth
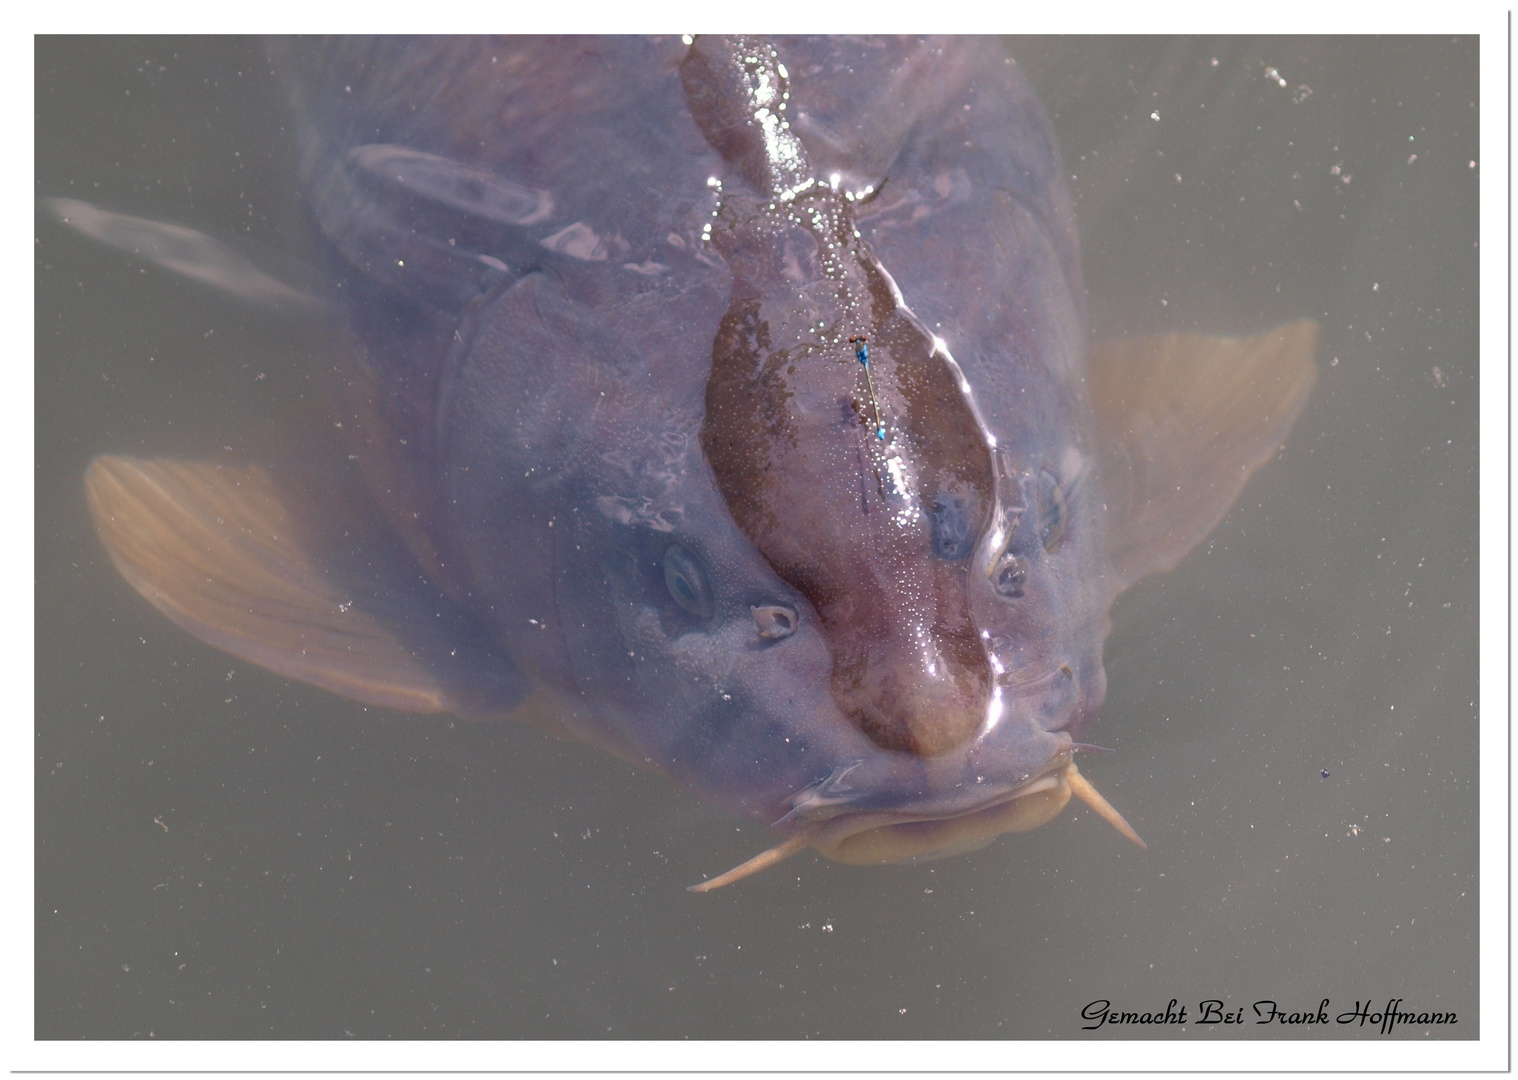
x=881 y=837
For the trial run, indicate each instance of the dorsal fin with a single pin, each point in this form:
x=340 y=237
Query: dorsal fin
x=1182 y=421
x=191 y=254
x=222 y=551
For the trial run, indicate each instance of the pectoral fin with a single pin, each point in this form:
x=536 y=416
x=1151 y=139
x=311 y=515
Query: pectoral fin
x=226 y=554
x=1182 y=421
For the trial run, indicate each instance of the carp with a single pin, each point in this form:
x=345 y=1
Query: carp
x=723 y=403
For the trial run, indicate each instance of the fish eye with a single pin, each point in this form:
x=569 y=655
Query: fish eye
x=1010 y=576
x=951 y=527
x=774 y=621
x=1052 y=511
x=687 y=583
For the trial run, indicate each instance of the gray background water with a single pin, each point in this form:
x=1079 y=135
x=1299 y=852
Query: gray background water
x=222 y=853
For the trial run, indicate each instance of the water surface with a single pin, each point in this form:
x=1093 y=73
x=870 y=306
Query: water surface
x=222 y=853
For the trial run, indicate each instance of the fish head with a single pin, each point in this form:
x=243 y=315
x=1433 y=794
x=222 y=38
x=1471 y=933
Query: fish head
x=589 y=518
x=963 y=613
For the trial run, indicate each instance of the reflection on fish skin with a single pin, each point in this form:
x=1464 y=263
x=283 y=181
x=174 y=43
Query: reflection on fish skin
x=471 y=192
x=641 y=492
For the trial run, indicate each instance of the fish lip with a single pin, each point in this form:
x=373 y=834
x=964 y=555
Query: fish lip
x=833 y=830
x=935 y=798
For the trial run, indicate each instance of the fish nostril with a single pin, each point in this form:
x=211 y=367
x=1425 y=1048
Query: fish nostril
x=1010 y=576
x=774 y=621
x=1065 y=670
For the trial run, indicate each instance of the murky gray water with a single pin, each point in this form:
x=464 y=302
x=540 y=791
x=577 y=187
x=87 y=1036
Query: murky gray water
x=222 y=853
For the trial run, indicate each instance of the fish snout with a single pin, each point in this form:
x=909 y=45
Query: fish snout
x=923 y=702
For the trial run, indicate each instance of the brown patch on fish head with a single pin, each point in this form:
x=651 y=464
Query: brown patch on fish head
x=852 y=520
